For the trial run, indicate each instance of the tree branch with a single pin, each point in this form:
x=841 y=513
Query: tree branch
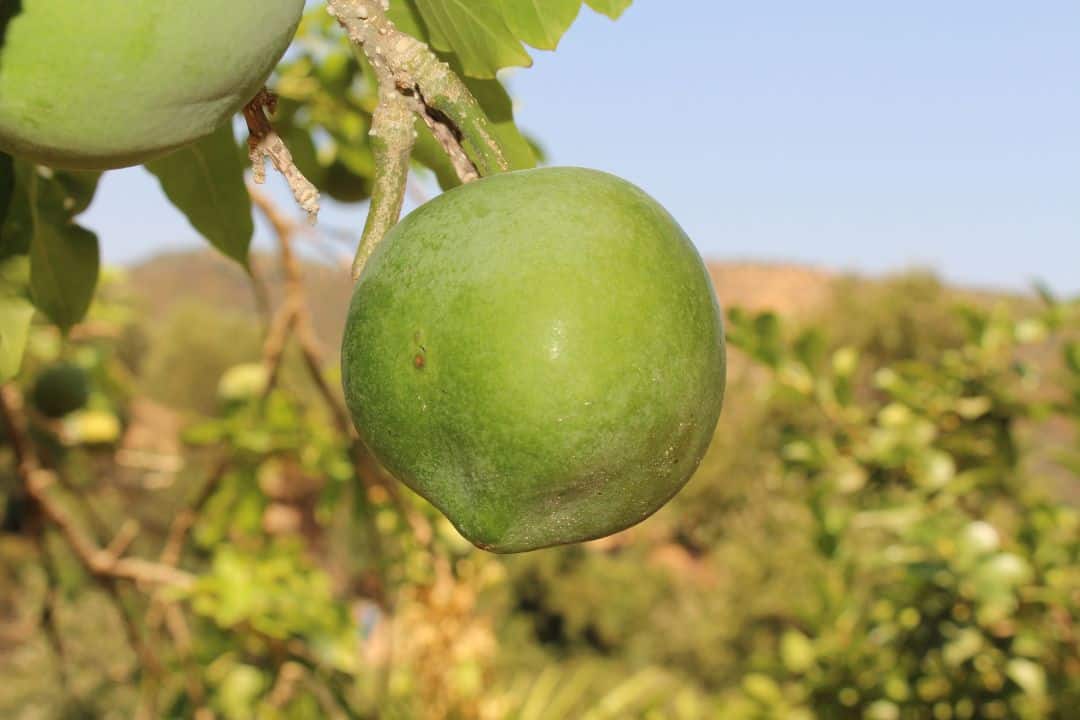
x=293 y=318
x=412 y=80
x=416 y=71
x=39 y=482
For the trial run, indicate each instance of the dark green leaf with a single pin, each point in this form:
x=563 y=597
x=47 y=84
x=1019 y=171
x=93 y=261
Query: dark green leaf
x=541 y=23
x=15 y=229
x=476 y=32
x=497 y=105
x=205 y=181
x=810 y=348
x=429 y=153
x=71 y=191
x=64 y=265
x=15 y=314
x=612 y=8
x=7 y=184
x=42 y=195
x=1072 y=356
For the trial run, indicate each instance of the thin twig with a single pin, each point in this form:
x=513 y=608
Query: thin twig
x=264 y=142
x=293 y=318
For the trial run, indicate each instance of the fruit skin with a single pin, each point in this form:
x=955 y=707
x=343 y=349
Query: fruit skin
x=540 y=354
x=60 y=389
x=111 y=83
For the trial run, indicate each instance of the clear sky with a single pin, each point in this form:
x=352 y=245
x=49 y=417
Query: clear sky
x=854 y=135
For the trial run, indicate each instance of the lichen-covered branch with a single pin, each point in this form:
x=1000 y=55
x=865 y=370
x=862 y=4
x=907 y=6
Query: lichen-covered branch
x=450 y=104
x=412 y=80
x=416 y=71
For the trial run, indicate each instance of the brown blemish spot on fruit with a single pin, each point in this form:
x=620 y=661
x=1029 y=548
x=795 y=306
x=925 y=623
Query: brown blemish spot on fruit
x=418 y=361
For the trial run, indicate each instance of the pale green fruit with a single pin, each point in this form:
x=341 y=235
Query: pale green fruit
x=538 y=353
x=97 y=84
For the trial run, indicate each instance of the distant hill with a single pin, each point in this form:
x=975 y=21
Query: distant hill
x=163 y=281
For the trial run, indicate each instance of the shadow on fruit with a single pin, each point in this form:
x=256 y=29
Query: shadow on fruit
x=8 y=11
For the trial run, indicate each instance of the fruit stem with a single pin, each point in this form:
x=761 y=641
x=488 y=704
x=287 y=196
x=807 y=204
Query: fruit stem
x=392 y=140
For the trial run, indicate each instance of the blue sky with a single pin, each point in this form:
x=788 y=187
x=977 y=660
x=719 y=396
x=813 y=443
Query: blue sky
x=852 y=135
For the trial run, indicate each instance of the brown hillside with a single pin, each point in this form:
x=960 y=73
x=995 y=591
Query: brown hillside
x=165 y=280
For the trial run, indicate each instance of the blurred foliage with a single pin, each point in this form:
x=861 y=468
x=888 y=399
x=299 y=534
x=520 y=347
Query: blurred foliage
x=871 y=536
x=186 y=355
x=921 y=312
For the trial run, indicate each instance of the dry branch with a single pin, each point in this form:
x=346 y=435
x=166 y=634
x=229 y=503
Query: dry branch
x=264 y=142
x=293 y=318
x=39 y=482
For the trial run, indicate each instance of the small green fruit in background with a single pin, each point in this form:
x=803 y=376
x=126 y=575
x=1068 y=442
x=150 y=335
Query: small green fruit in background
x=242 y=383
x=540 y=354
x=60 y=389
x=111 y=83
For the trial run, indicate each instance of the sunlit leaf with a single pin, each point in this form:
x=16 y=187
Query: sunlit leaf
x=475 y=31
x=541 y=23
x=612 y=8
x=1028 y=675
x=499 y=108
x=15 y=314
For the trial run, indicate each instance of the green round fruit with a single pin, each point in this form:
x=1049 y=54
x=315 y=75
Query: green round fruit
x=540 y=354
x=60 y=389
x=344 y=185
x=111 y=83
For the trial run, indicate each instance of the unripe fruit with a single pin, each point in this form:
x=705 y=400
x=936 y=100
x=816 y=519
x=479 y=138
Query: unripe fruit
x=540 y=354
x=111 y=83
x=60 y=389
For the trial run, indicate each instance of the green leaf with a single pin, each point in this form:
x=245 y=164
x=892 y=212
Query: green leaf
x=1028 y=674
x=476 y=31
x=1072 y=356
x=497 y=105
x=64 y=265
x=612 y=8
x=68 y=193
x=205 y=181
x=406 y=17
x=499 y=108
x=41 y=194
x=541 y=23
x=797 y=651
x=429 y=153
x=15 y=314
x=7 y=185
